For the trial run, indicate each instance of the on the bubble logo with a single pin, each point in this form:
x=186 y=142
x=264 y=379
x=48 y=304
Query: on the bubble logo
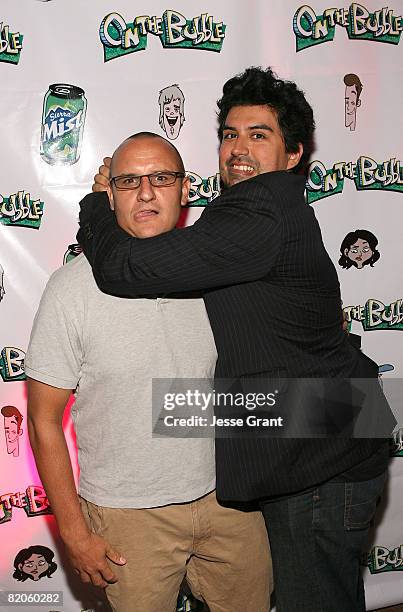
x=174 y=30
x=365 y=172
x=12 y=364
x=381 y=25
x=203 y=190
x=20 y=210
x=10 y=45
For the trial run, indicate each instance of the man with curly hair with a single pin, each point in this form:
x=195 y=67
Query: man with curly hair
x=273 y=300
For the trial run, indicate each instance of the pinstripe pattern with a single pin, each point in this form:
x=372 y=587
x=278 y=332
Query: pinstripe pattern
x=273 y=301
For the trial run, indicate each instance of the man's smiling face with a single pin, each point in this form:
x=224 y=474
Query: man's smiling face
x=252 y=144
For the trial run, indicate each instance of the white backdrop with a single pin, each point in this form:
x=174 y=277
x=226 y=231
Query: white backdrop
x=47 y=42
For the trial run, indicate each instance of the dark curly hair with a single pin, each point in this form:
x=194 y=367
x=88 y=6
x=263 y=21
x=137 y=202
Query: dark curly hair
x=256 y=87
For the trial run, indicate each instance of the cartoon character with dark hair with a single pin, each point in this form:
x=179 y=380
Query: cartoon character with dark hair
x=359 y=249
x=12 y=428
x=34 y=562
x=351 y=100
x=172 y=110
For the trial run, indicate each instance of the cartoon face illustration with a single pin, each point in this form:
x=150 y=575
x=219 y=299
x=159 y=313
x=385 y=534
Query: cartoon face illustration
x=351 y=100
x=359 y=252
x=34 y=566
x=34 y=562
x=172 y=113
x=358 y=249
x=2 y=291
x=12 y=428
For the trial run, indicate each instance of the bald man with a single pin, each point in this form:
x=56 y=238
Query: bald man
x=146 y=514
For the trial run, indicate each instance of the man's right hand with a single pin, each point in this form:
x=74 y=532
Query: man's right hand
x=89 y=555
x=101 y=180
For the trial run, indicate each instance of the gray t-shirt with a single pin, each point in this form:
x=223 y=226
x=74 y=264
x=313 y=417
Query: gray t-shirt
x=110 y=348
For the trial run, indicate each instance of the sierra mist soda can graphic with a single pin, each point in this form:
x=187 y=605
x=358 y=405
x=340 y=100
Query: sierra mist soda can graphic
x=73 y=251
x=63 y=119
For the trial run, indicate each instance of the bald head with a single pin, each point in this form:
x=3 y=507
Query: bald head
x=147 y=208
x=142 y=138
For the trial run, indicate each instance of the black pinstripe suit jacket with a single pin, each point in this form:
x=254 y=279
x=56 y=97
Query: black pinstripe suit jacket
x=273 y=300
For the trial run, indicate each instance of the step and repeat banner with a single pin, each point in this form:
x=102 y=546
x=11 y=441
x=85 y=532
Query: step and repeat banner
x=76 y=79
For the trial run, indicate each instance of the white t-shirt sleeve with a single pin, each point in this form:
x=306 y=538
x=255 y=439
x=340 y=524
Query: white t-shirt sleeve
x=54 y=353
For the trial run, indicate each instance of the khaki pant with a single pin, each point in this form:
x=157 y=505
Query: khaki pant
x=224 y=554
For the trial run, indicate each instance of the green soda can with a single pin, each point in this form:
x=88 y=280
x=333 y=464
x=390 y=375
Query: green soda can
x=63 y=119
x=73 y=251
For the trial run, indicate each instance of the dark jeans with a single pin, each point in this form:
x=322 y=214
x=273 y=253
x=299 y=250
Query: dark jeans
x=317 y=539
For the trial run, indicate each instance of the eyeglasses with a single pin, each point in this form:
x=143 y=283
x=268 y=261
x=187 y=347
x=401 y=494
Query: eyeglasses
x=157 y=179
